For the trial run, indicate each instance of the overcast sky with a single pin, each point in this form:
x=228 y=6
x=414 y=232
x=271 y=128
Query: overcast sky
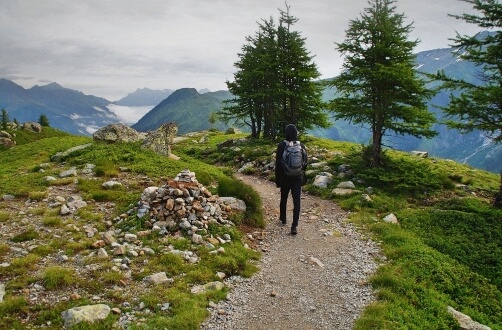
x=109 y=48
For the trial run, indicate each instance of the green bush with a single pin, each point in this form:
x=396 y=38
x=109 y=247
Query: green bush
x=236 y=188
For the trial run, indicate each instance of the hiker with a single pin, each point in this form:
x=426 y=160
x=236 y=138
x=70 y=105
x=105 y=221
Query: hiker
x=289 y=173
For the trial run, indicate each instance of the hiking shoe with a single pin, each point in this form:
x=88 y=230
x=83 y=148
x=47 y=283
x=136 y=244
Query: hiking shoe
x=293 y=231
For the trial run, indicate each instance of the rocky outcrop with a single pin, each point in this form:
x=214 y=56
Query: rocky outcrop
x=161 y=140
x=115 y=133
x=32 y=126
x=7 y=139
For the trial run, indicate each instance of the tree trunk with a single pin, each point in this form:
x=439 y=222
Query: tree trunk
x=376 y=153
x=498 y=196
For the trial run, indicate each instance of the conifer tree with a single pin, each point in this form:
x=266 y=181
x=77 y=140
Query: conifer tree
x=5 y=119
x=478 y=106
x=275 y=82
x=43 y=120
x=301 y=96
x=378 y=85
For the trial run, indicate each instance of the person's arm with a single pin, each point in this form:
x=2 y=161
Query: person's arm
x=306 y=160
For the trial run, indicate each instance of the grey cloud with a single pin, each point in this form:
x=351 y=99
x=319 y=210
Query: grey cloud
x=110 y=48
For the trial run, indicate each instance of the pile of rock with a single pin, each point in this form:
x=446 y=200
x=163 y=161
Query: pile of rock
x=185 y=205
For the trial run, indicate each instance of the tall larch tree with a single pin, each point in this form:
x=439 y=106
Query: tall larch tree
x=379 y=86
x=479 y=106
x=254 y=81
x=275 y=83
x=301 y=92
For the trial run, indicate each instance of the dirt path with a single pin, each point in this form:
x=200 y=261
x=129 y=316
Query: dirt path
x=314 y=280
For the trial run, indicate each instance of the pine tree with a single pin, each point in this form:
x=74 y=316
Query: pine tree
x=5 y=119
x=213 y=118
x=301 y=95
x=379 y=86
x=254 y=81
x=43 y=120
x=479 y=106
x=275 y=82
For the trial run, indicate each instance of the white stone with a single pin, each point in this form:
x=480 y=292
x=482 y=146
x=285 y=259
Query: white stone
x=316 y=261
x=111 y=184
x=346 y=185
x=323 y=180
x=65 y=210
x=130 y=238
x=391 y=218
x=158 y=278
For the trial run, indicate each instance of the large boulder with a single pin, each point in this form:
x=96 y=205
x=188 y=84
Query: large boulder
x=7 y=139
x=32 y=126
x=118 y=132
x=161 y=139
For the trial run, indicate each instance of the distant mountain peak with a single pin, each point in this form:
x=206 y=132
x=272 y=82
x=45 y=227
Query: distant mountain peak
x=144 y=97
x=50 y=86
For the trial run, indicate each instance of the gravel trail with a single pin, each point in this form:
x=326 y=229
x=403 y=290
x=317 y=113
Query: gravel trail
x=314 y=280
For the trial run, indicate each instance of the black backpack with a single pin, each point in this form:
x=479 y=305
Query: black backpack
x=293 y=158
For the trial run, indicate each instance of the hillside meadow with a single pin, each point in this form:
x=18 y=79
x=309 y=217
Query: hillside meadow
x=446 y=250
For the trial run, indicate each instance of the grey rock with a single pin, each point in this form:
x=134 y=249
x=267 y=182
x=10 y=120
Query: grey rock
x=2 y=291
x=420 y=154
x=157 y=278
x=70 y=172
x=234 y=203
x=88 y=313
x=60 y=155
x=130 y=238
x=318 y=165
x=111 y=184
x=65 y=210
x=322 y=180
x=116 y=133
x=8 y=197
x=102 y=253
x=216 y=286
x=346 y=185
x=391 y=218
x=161 y=140
x=465 y=321
x=32 y=126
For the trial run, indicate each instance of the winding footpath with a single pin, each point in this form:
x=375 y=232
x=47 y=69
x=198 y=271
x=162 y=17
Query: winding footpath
x=314 y=280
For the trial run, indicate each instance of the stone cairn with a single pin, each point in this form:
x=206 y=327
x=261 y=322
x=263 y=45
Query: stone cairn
x=187 y=206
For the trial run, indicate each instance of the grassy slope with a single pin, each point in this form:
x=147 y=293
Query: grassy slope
x=20 y=176
x=446 y=251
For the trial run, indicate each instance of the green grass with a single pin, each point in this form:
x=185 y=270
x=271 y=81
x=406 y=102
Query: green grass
x=27 y=235
x=4 y=216
x=18 y=162
x=445 y=252
x=467 y=230
x=253 y=215
x=56 y=277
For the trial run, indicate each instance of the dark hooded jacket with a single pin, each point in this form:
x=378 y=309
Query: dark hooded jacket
x=290 y=134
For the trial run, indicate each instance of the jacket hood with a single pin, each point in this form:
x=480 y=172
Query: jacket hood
x=291 y=133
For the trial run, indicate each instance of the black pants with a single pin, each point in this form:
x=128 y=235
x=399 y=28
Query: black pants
x=293 y=184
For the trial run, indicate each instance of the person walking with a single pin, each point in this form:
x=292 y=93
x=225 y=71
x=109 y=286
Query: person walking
x=290 y=163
